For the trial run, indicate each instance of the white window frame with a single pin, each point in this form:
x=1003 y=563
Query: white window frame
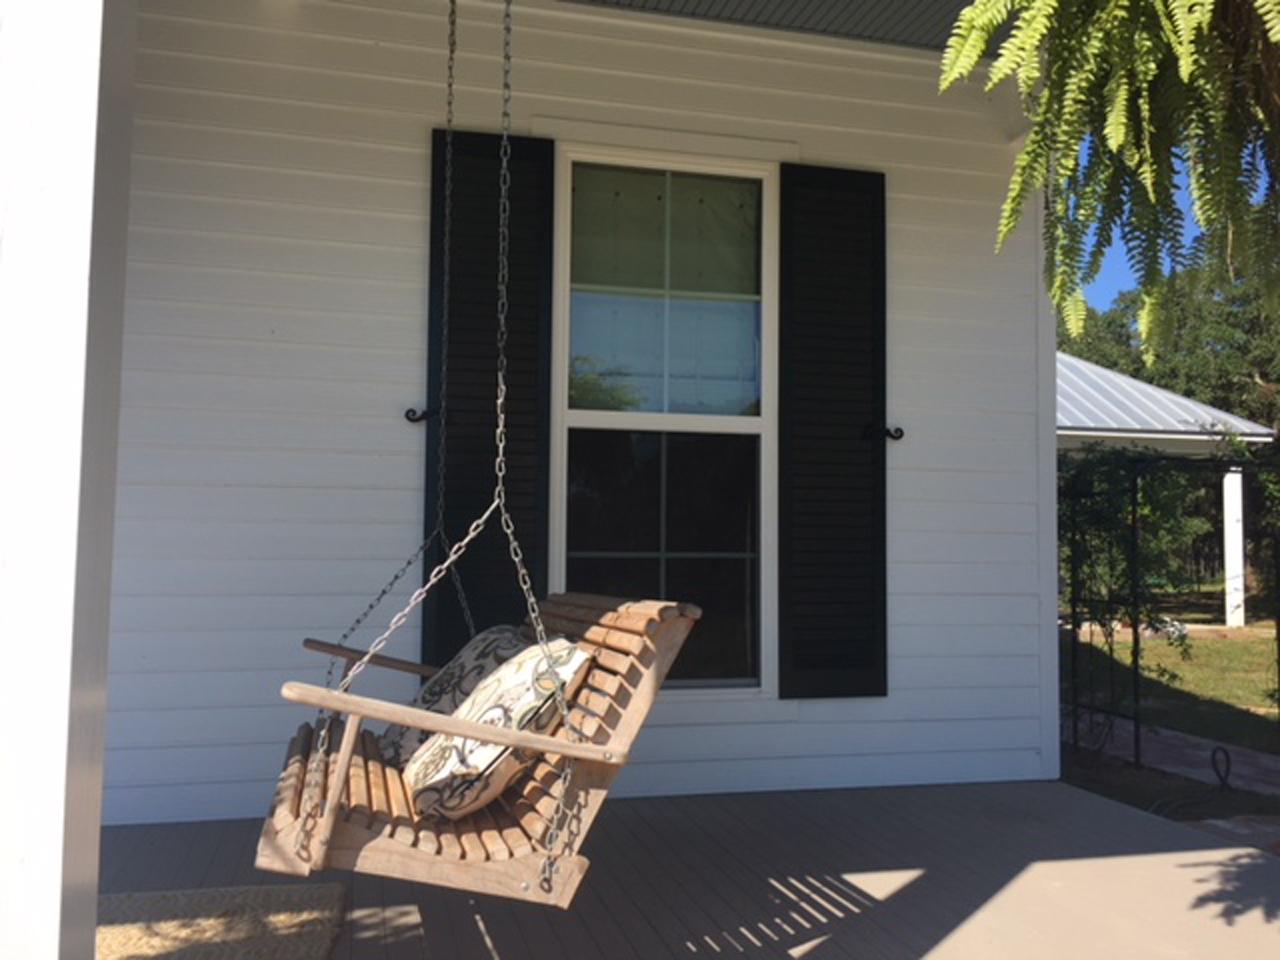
x=765 y=424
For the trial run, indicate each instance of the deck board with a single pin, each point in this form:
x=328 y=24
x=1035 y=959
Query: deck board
x=984 y=870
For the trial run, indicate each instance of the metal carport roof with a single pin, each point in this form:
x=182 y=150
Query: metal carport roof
x=1095 y=401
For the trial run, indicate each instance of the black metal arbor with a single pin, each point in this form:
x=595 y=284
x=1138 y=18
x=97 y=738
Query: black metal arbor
x=1138 y=531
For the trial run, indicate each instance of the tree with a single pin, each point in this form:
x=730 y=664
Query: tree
x=1222 y=346
x=1108 y=338
x=1124 y=97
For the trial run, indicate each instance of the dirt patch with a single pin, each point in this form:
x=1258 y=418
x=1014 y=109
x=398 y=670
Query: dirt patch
x=1165 y=794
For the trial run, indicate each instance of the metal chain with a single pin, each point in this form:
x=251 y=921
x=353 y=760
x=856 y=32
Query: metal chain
x=442 y=408
x=561 y=816
x=373 y=604
x=561 y=820
x=446 y=311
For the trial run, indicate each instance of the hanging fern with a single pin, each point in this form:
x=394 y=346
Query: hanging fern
x=1123 y=96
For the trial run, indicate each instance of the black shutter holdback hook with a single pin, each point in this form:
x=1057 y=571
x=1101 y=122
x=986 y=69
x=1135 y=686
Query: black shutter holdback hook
x=890 y=433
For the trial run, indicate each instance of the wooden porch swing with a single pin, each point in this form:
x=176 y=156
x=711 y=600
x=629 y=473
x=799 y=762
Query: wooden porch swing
x=339 y=804
x=366 y=820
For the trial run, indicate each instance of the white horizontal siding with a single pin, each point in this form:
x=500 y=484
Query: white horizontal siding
x=275 y=333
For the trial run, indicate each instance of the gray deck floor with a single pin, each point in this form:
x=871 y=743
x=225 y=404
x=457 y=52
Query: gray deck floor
x=1031 y=870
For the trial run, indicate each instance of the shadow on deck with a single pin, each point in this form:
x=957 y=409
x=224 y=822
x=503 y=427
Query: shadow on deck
x=984 y=870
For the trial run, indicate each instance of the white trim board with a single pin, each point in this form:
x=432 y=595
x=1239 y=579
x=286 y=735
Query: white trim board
x=765 y=425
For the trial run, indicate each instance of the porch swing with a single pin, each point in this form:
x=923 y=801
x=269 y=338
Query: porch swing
x=339 y=803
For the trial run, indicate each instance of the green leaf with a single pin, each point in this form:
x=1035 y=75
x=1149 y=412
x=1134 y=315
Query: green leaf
x=1074 y=313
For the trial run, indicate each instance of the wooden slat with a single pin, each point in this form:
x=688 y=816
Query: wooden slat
x=546 y=775
x=402 y=828
x=512 y=832
x=315 y=783
x=539 y=797
x=495 y=847
x=450 y=845
x=329 y=769
x=615 y=661
x=358 y=807
x=641 y=624
x=379 y=801
x=594 y=701
x=606 y=683
x=595 y=633
x=292 y=776
x=590 y=726
x=468 y=834
x=428 y=837
x=531 y=822
x=659 y=609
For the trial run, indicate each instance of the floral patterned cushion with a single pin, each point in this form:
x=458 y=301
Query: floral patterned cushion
x=451 y=776
x=445 y=691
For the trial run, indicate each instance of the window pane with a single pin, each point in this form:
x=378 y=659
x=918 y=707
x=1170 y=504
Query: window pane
x=616 y=352
x=724 y=643
x=619 y=227
x=714 y=357
x=672 y=515
x=614 y=578
x=713 y=497
x=715 y=234
x=665 y=292
x=614 y=491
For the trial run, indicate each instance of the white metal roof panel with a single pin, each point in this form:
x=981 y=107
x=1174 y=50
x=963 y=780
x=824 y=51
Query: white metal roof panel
x=1093 y=399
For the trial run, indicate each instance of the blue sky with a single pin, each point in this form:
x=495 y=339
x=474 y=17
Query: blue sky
x=1115 y=276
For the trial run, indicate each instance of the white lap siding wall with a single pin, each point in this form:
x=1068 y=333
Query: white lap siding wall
x=275 y=332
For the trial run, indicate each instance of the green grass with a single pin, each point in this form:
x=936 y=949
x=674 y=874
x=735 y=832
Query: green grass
x=1205 y=605
x=1220 y=692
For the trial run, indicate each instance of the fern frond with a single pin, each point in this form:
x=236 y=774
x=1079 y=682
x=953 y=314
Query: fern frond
x=970 y=36
x=1074 y=313
x=1154 y=324
x=1023 y=44
x=1124 y=99
x=1269 y=13
x=1116 y=129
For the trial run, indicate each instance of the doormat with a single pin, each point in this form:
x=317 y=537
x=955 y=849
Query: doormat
x=284 y=922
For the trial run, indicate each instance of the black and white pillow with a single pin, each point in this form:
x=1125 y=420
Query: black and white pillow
x=445 y=691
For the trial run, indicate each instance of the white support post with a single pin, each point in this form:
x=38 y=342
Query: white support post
x=65 y=123
x=1233 y=546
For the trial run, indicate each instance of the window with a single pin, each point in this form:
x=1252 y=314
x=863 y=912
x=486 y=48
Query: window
x=663 y=440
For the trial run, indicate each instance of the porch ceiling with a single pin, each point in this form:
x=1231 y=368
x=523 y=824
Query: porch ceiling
x=908 y=23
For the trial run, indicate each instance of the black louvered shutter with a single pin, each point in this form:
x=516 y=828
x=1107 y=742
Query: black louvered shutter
x=486 y=570
x=831 y=469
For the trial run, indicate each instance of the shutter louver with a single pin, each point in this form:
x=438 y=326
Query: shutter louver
x=486 y=570
x=832 y=619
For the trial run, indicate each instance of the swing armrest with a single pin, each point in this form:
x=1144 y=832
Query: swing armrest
x=349 y=703
x=424 y=670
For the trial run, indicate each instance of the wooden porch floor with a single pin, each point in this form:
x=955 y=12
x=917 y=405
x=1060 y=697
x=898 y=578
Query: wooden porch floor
x=991 y=870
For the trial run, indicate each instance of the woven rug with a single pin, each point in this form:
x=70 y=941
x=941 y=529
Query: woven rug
x=284 y=922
